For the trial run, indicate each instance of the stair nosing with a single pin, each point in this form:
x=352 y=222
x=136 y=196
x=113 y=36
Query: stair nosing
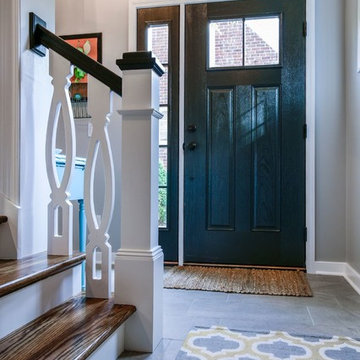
x=42 y=274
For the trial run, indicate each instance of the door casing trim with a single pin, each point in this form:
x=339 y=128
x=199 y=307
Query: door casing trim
x=310 y=113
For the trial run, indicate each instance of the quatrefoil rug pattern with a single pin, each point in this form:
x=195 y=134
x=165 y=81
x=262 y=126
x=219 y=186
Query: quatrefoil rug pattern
x=220 y=343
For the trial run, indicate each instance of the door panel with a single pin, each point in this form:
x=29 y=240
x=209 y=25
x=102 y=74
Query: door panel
x=245 y=178
x=220 y=159
x=265 y=159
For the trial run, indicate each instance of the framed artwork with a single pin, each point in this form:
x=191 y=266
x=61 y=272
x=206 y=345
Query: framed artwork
x=90 y=45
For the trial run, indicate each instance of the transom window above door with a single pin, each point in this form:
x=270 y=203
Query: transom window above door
x=244 y=42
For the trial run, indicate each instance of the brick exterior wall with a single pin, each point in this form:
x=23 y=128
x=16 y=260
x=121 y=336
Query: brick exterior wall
x=257 y=51
x=228 y=43
x=163 y=156
x=164 y=88
x=160 y=44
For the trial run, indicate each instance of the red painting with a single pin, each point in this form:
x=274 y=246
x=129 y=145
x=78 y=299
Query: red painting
x=90 y=45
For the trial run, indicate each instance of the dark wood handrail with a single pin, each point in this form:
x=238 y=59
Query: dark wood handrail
x=39 y=35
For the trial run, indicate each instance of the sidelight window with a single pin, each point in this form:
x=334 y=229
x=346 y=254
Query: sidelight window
x=158 y=43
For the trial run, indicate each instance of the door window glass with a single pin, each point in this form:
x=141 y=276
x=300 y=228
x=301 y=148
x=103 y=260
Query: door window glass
x=163 y=127
x=244 y=42
x=226 y=43
x=158 y=41
x=262 y=41
x=164 y=87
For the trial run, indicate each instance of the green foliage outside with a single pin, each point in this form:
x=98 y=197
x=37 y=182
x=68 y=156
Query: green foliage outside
x=162 y=195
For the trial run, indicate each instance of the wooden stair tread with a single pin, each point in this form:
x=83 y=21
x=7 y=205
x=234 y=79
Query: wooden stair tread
x=72 y=330
x=3 y=219
x=16 y=274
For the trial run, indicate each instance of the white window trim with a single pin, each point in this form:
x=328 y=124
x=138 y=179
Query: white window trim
x=310 y=113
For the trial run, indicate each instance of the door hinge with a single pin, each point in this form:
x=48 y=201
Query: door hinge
x=305 y=234
x=305 y=131
x=305 y=28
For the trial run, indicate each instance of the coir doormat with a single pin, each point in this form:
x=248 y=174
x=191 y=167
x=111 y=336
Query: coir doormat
x=238 y=280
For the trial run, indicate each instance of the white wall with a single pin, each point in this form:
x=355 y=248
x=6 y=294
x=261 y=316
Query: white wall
x=25 y=100
x=110 y=18
x=353 y=137
x=330 y=132
x=35 y=97
x=9 y=100
x=9 y=124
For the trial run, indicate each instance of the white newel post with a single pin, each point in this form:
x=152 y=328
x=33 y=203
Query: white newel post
x=139 y=261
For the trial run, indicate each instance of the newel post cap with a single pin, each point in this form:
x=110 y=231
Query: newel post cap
x=140 y=60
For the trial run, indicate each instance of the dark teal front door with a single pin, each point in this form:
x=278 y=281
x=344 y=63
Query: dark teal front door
x=244 y=133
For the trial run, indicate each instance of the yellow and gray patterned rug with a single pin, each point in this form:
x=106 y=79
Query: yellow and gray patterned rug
x=220 y=343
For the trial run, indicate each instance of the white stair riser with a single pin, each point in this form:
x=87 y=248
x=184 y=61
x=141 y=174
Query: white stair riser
x=112 y=347
x=25 y=305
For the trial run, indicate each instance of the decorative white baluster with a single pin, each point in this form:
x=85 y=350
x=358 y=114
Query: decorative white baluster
x=60 y=209
x=99 y=287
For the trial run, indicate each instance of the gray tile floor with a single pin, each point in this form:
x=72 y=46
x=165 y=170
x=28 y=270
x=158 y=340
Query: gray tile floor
x=334 y=310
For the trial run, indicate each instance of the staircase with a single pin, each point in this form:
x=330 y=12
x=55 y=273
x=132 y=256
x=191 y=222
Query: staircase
x=43 y=312
x=44 y=315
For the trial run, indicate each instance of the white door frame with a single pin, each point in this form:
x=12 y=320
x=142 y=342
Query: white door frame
x=310 y=113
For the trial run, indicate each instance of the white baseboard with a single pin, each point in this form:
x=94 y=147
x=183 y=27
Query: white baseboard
x=352 y=277
x=339 y=269
x=329 y=268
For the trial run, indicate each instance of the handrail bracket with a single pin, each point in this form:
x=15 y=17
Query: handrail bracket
x=35 y=44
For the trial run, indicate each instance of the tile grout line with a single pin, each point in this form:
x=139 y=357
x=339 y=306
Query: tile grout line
x=338 y=302
x=312 y=320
